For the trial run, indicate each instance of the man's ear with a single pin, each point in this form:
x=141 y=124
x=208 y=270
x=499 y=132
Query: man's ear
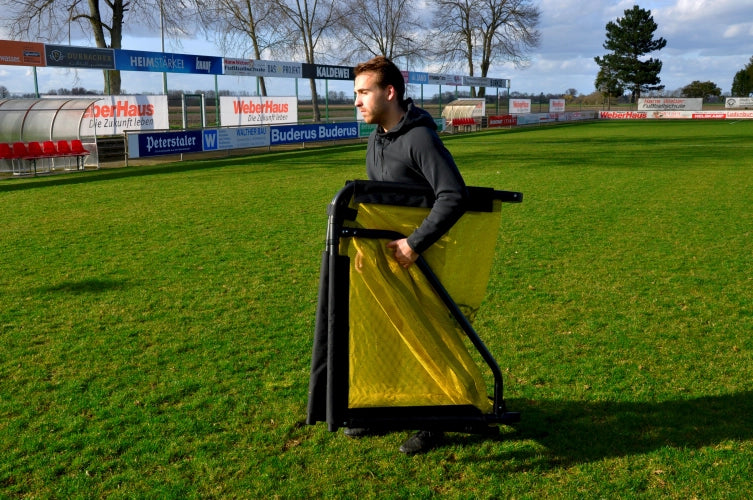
x=391 y=93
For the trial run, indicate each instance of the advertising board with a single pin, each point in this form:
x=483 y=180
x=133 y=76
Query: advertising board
x=670 y=104
x=738 y=102
x=257 y=110
x=67 y=56
x=520 y=106
x=502 y=121
x=21 y=53
x=287 y=134
x=139 y=60
x=253 y=67
x=235 y=138
x=113 y=115
x=556 y=105
x=164 y=143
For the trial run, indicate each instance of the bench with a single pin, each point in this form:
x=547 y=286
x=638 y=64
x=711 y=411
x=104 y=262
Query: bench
x=18 y=152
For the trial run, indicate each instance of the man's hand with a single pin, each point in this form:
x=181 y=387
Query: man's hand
x=403 y=253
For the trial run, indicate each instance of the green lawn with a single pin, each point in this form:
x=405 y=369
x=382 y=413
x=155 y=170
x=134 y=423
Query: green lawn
x=156 y=325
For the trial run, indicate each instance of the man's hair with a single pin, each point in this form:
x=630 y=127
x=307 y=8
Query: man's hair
x=387 y=74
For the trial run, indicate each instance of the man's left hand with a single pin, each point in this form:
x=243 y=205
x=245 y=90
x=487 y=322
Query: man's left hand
x=403 y=253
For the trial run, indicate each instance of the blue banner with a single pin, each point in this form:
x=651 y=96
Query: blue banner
x=137 y=60
x=286 y=134
x=168 y=143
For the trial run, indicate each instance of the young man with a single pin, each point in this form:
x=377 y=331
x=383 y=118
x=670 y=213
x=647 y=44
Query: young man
x=405 y=148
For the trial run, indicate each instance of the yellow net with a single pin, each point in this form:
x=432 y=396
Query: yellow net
x=406 y=349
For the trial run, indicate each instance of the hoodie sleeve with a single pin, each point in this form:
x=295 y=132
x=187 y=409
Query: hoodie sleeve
x=440 y=171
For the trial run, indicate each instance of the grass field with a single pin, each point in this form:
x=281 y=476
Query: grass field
x=156 y=325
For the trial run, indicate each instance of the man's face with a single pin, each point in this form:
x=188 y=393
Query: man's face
x=371 y=99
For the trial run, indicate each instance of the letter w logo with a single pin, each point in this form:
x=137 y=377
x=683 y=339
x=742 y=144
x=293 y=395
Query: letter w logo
x=210 y=140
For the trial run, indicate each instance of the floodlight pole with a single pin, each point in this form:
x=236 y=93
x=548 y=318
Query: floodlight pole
x=162 y=32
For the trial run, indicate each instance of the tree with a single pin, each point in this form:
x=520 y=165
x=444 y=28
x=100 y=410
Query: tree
x=311 y=21
x=609 y=85
x=52 y=21
x=248 y=25
x=4 y=93
x=742 y=83
x=389 y=28
x=700 y=89
x=482 y=32
x=628 y=39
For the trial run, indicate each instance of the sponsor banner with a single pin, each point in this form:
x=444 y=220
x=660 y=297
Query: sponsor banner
x=251 y=67
x=623 y=115
x=418 y=77
x=325 y=72
x=580 y=115
x=529 y=119
x=709 y=116
x=740 y=115
x=21 y=53
x=738 y=102
x=669 y=104
x=502 y=121
x=286 y=134
x=500 y=83
x=365 y=129
x=164 y=143
x=556 y=105
x=164 y=62
x=235 y=138
x=701 y=115
x=520 y=106
x=257 y=110
x=79 y=57
x=113 y=115
x=476 y=81
x=436 y=79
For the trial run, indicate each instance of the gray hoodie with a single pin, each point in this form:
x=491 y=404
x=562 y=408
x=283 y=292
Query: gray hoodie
x=412 y=152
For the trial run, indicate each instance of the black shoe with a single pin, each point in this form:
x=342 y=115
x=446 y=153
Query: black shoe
x=421 y=442
x=357 y=432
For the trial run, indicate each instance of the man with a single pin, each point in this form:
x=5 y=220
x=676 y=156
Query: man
x=405 y=148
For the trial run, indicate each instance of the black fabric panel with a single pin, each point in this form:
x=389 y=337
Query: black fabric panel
x=338 y=364
x=318 y=379
x=480 y=199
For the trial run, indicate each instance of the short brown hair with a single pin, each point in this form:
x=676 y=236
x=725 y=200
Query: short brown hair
x=387 y=74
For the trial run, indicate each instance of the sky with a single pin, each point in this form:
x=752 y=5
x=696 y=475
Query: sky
x=707 y=40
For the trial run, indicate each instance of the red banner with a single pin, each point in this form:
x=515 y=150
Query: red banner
x=21 y=53
x=503 y=121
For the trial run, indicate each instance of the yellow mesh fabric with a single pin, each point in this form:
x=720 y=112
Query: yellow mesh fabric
x=405 y=347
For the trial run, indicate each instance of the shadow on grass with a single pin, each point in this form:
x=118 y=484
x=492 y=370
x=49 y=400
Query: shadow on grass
x=92 y=285
x=573 y=432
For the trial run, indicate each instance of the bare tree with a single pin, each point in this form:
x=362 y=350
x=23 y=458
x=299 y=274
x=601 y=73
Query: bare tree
x=312 y=21
x=248 y=25
x=52 y=21
x=482 y=32
x=390 y=28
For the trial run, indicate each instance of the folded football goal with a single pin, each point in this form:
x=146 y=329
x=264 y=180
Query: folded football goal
x=395 y=348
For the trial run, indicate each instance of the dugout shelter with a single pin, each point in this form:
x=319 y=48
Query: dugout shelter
x=464 y=115
x=45 y=133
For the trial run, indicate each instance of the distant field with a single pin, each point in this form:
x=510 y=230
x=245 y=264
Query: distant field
x=156 y=325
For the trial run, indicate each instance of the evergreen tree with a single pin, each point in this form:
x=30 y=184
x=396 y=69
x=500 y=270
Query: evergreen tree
x=628 y=39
